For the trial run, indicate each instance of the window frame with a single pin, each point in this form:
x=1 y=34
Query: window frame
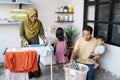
x=96 y=21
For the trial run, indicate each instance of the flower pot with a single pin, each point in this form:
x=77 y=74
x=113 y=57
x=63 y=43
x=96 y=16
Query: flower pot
x=69 y=44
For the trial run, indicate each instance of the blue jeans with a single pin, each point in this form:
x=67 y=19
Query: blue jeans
x=91 y=72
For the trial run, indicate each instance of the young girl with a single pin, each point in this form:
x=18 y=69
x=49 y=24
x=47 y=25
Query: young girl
x=60 y=43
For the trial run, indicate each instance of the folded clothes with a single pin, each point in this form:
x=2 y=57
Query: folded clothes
x=37 y=45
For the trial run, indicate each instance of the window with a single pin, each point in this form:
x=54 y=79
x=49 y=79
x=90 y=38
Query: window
x=104 y=11
x=102 y=29
x=104 y=16
x=116 y=16
x=104 y=0
x=116 y=34
x=91 y=0
x=91 y=13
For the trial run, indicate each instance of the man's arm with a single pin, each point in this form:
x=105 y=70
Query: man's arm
x=73 y=56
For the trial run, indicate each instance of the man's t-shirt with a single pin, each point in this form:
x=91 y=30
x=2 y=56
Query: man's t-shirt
x=85 y=49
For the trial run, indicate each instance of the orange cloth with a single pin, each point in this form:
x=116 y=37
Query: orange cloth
x=22 y=61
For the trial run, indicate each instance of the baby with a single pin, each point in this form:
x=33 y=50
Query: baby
x=100 y=49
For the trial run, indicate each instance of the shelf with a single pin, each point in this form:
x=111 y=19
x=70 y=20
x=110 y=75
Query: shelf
x=65 y=12
x=64 y=17
x=15 y=3
x=19 y=3
x=64 y=21
x=10 y=22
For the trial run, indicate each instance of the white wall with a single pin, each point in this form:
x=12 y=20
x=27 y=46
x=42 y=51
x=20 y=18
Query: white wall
x=78 y=16
x=9 y=35
x=110 y=60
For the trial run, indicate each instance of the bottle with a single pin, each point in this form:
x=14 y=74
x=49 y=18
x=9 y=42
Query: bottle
x=70 y=17
x=70 y=9
x=65 y=9
x=66 y=17
x=61 y=9
x=58 y=18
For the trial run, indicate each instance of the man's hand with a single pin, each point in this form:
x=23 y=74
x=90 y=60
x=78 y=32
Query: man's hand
x=71 y=61
x=73 y=56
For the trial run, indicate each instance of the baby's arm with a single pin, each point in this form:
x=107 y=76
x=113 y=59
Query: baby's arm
x=96 y=54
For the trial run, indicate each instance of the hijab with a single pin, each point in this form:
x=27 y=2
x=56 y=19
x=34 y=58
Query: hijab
x=31 y=28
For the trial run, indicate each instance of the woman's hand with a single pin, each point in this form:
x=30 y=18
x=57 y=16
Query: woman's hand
x=25 y=44
x=46 y=42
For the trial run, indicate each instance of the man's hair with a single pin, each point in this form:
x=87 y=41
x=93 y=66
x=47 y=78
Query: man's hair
x=88 y=28
x=101 y=37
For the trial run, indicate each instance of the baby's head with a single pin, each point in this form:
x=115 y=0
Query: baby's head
x=100 y=40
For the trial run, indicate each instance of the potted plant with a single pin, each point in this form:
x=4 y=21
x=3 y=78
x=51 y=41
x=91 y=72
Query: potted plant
x=70 y=33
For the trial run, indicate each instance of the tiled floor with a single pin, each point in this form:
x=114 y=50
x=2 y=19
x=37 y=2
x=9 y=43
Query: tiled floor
x=59 y=74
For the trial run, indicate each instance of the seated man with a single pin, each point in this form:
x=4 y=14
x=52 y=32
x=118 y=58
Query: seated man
x=85 y=46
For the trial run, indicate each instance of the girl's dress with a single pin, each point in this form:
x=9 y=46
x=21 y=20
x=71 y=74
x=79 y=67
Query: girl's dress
x=60 y=50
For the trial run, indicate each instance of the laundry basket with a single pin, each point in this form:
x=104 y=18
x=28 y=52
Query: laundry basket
x=79 y=74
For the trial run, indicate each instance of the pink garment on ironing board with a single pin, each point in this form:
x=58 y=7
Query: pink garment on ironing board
x=60 y=50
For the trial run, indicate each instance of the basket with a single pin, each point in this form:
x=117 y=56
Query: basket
x=72 y=74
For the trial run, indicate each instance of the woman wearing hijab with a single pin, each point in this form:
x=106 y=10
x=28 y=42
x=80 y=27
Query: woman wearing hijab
x=30 y=31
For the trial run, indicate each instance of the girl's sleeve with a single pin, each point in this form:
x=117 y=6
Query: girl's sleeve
x=22 y=32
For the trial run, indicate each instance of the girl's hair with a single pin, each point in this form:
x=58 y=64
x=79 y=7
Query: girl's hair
x=60 y=34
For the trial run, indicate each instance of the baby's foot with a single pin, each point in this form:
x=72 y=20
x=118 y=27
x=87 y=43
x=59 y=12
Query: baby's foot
x=96 y=65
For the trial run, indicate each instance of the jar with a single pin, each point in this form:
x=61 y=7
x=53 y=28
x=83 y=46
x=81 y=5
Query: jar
x=61 y=9
x=70 y=17
x=70 y=9
x=65 y=9
x=66 y=17
x=58 y=18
